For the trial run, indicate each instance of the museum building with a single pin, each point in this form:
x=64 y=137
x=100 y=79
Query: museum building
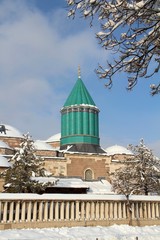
x=76 y=151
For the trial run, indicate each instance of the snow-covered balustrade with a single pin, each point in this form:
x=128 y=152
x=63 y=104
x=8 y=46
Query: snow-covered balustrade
x=55 y=210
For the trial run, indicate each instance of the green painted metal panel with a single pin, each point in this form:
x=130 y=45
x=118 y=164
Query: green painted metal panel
x=63 y=127
x=85 y=123
x=79 y=95
x=72 y=123
x=92 y=124
x=79 y=139
x=96 y=125
x=79 y=123
x=67 y=124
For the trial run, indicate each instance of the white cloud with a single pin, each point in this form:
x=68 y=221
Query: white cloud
x=31 y=45
x=34 y=61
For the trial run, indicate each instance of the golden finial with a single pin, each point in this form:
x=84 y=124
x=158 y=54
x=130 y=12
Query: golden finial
x=79 y=71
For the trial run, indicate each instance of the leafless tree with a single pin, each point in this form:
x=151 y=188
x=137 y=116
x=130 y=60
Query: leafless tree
x=140 y=174
x=129 y=28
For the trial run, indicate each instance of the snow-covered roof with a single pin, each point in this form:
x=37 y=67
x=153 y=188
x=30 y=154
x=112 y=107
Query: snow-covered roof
x=94 y=187
x=63 y=182
x=11 y=132
x=99 y=187
x=116 y=149
x=71 y=182
x=4 y=162
x=3 y=145
x=45 y=179
x=41 y=145
x=54 y=138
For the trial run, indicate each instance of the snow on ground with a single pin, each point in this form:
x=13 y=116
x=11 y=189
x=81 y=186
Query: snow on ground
x=115 y=232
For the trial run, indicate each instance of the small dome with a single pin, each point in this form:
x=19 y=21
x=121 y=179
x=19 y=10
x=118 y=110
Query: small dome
x=9 y=131
x=4 y=162
x=41 y=145
x=3 y=145
x=116 y=149
x=54 y=138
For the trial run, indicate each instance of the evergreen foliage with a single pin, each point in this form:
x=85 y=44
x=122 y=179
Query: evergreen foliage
x=25 y=164
x=139 y=175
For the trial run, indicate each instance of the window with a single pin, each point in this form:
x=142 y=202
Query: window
x=88 y=174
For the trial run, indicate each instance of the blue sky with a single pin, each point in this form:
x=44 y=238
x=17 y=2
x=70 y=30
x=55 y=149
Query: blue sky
x=40 y=52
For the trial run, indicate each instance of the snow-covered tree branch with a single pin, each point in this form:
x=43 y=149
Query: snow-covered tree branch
x=130 y=28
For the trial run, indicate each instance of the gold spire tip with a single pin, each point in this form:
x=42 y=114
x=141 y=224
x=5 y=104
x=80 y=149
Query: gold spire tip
x=79 y=72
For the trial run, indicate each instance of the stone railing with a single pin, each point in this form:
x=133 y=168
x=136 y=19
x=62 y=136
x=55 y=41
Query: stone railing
x=59 y=210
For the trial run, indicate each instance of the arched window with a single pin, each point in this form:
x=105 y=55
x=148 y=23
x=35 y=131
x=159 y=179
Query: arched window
x=88 y=174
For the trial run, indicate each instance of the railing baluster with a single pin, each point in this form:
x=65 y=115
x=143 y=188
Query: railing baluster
x=119 y=210
x=149 y=210
x=29 y=211
x=101 y=210
x=97 y=210
x=67 y=210
x=157 y=211
x=72 y=210
x=45 y=211
x=153 y=210
x=111 y=210
x=23 y=213
x=92 y=210
x=62 y=211
x=144 y=210
x=51 y=211
x=17 y=217
x=11 y=211
x=40 y=213
x=77 y=210
x=35 y=211
x=106 y=210
x=56 y=210
x=140 y=210
x=5 y=211
x=115 y=215
x=82 y=210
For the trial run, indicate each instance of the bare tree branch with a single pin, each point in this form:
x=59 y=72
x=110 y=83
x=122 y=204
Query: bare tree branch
x=138 y=46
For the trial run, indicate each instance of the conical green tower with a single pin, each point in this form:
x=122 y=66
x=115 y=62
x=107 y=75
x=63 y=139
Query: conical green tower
x=79 y=121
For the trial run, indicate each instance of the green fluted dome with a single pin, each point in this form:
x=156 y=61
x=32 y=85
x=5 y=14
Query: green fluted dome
x=79 y=122
x=79 y=95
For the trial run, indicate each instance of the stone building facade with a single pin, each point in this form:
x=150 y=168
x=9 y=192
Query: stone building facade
x=76 y=151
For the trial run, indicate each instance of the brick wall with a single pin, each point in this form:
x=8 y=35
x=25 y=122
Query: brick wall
x=77 y=164
x=57 y=166
x=54 y=144
x=48 y=153
x=6 y=151
x=11 y=141
x=117 y=161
